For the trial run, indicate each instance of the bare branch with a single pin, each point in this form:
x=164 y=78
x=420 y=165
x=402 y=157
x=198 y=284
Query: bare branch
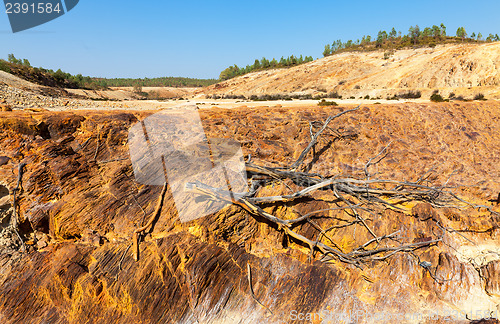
x=314 y=138
x=370 y=163
x=15 y=219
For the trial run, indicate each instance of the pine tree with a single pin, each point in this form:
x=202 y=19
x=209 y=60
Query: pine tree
x=436 y=31
x=393 y=33
x=443 y=30
x=461 y=33
x=414 y=33
x=327 y=50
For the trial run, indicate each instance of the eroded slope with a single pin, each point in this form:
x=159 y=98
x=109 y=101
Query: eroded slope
x=80 y=201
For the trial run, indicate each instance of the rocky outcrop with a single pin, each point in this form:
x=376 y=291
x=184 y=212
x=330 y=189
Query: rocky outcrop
x=79 y=205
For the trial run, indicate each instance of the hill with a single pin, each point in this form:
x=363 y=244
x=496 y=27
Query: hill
x=463 y=69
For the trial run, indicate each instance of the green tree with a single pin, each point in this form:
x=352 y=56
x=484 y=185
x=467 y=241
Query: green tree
x=59 y=75
x=436 y=31
x=427 y=32
x=256 y=64
x=393 y=33
x=381 y=37
x=443 y=30
x=414 y=33
x=328 y=50
x=26 y=62
x=337 y=45
x=228 y=73
x=473 y=35
x=13 y=59
x=461 y=33
x=264 y=63
x=479 y=36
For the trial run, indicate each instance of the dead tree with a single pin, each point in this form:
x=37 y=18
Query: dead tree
x=356 y=197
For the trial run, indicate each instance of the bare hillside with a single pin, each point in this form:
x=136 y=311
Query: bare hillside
x=463 y=69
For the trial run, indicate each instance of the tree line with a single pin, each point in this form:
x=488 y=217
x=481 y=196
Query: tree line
x=178 y=82
x=263 y=64
x=430 y=36
x=23 y=69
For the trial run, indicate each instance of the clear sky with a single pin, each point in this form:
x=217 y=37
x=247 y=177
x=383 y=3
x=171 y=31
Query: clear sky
x=111 y=38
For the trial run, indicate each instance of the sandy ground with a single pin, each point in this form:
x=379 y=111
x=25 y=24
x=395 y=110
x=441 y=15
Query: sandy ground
x=229 y=104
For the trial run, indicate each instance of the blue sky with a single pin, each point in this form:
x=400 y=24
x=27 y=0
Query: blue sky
x=111 y=38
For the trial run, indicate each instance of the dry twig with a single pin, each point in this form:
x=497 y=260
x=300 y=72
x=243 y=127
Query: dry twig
x=15 y=219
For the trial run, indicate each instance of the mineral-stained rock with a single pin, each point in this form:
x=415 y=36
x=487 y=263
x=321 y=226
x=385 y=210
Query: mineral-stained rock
x=38 y=216
x=5 y=107
x=4 y=160
x=491 y=273
x=79 y=199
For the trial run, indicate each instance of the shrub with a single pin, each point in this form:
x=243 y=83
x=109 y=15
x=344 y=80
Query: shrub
x=388 y=54
x=334 y=95
x=452 y=95
x=479 y=96
x=323 y=102
x=410 y=95
x=4 y=66
x=436 y=97
x=154 y=95
x=367 y=97
x=232 y=96
x=137 y=86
